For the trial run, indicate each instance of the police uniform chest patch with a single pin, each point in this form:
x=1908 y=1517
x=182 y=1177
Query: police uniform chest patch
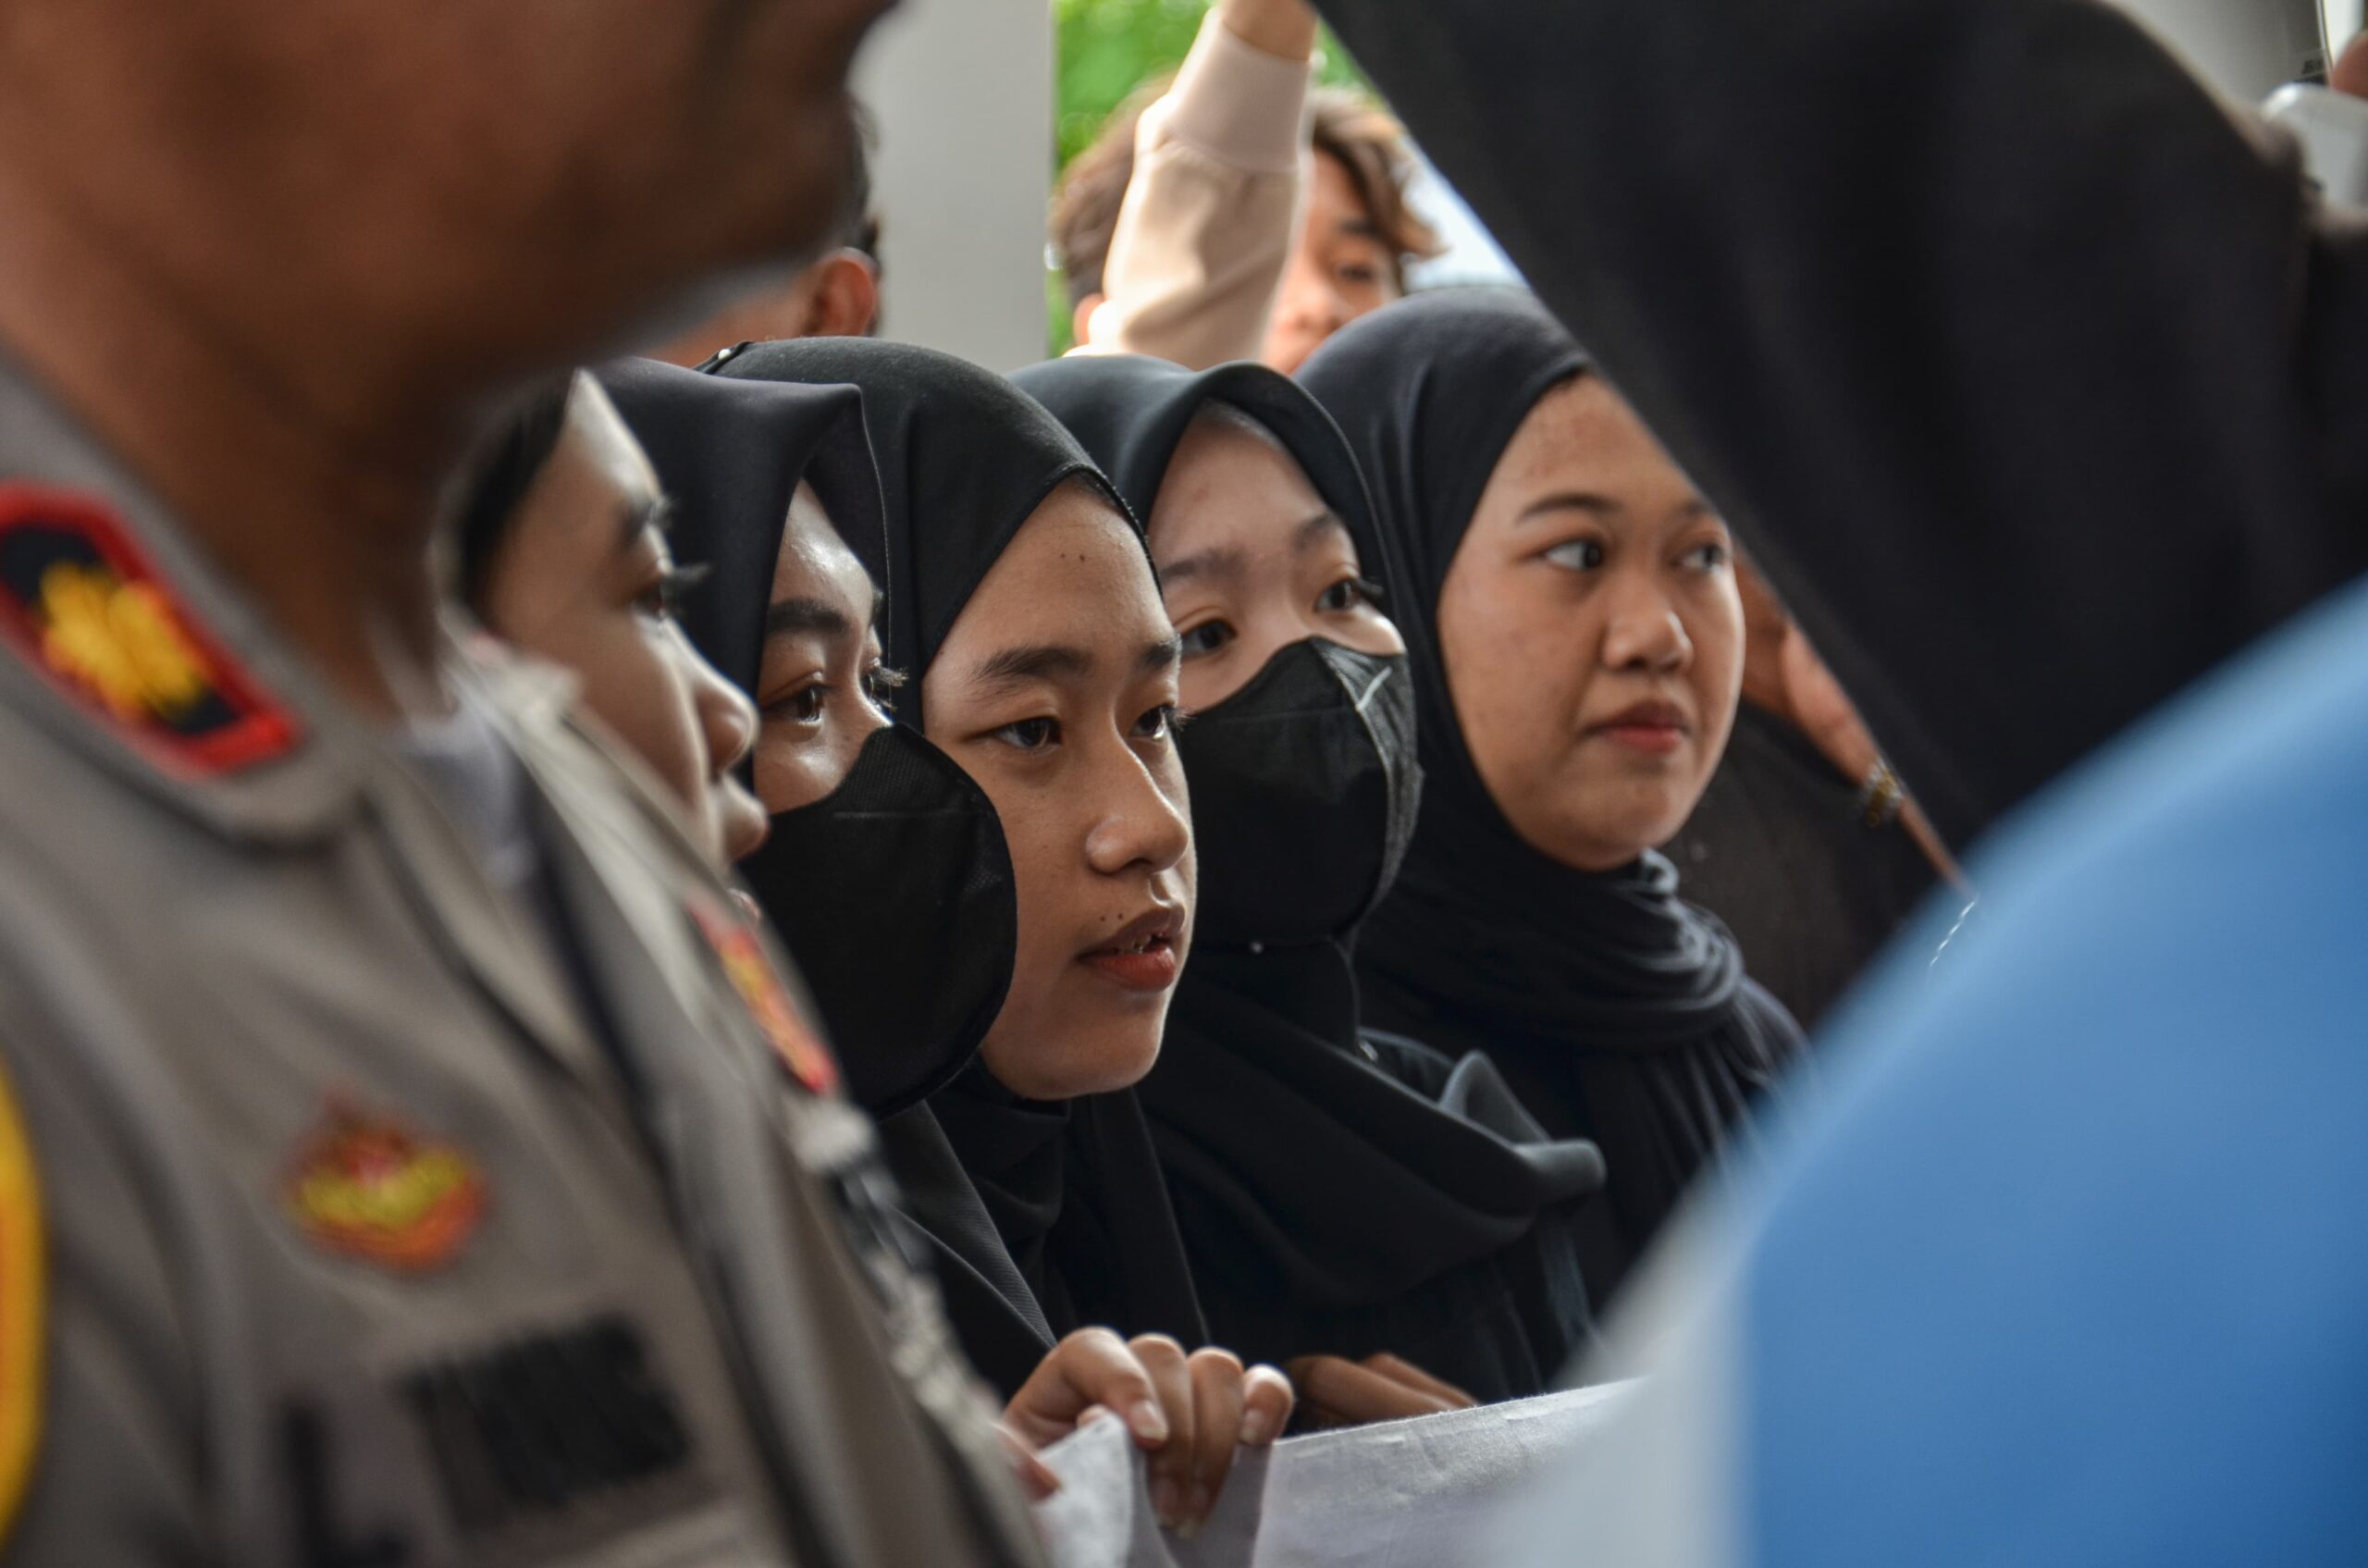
x=751 y=973
x=80 y=602
x=369 y=1188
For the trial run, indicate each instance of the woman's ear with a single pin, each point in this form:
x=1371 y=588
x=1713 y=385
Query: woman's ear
x=843 y=298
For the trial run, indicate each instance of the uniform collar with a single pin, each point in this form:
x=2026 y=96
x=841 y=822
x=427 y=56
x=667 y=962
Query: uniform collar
x=120 y=639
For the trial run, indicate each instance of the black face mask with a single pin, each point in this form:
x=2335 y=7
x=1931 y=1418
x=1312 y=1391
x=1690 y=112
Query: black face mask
x=895 y=895
x=1304 y=791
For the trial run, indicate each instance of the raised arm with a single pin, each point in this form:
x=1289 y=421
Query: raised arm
x=1213 y=208
x=2022 y=366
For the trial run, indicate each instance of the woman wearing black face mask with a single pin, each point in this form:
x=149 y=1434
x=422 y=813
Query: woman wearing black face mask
x=1031 y=1169
x=887 y=872
x=878 y=841
x=1341 y=1191
x=1576 y=640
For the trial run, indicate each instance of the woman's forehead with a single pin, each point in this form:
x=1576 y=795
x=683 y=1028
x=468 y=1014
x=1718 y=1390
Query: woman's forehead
x=1226 y=454
x=815 y=559
x=1582 y=439
x=1075 y=577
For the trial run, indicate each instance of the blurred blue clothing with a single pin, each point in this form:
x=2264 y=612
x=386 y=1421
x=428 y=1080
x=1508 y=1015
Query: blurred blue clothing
x=2070 y=1263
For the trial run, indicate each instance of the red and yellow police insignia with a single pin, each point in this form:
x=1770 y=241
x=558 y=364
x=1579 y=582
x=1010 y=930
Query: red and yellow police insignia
x=793 y=1041
x=80 y=602
x=24 y=1294
x=366 y=1187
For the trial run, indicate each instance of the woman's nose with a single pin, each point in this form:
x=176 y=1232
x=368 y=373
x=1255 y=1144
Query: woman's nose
x=727 y=719
x=1645 y=632
x=1141 y=825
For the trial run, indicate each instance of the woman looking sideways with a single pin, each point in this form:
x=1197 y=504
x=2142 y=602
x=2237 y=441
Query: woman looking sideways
x=1019 y=597
x=1338 y=1189
x=1569 y=610
x=568 y=516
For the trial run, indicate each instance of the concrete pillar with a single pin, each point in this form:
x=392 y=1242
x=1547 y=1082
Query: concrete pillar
x=962 y=90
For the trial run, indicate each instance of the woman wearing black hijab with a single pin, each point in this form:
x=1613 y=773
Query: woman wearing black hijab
x=1339 y=1191
x=791 y=614
x=1031 y=1171
x=774 y=497
x=1572 y=619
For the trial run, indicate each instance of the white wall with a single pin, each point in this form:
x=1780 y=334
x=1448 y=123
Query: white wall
x=962 y=90
x=2345 y=18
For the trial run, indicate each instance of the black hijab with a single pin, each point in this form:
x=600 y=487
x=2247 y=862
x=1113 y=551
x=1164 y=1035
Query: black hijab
x=1044 y=1218
x=1618 y=1012
x=730 y=455
x=1338 y=1193
x=729 y=458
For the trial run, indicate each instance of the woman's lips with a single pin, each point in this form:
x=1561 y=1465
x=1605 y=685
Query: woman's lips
x=1654 y=728
x=1141 y=958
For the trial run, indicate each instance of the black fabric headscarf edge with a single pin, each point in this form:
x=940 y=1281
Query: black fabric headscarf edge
x=1003 y=456
x=1130 y=413
x=730 y=458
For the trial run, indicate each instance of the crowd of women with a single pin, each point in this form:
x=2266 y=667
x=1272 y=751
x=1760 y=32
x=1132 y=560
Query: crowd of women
x=527 y=1017
x=1231 y=884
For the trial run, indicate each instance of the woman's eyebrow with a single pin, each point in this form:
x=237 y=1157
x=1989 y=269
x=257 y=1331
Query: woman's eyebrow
x=807 y=617
x=1318 y=529
x=1569 y=500
x=1223 y=560
x=1037 y=661
x=1057 y=662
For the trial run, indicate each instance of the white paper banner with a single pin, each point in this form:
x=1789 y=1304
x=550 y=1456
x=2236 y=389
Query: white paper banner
x=1409 y=1494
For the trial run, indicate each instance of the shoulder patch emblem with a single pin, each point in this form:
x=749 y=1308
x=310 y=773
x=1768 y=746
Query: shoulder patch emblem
x=81 y=603
x=751 y=973
x=366 y=1186
x=24 y=1295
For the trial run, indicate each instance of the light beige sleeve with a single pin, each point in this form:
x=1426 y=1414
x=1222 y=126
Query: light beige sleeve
x=1211 y=211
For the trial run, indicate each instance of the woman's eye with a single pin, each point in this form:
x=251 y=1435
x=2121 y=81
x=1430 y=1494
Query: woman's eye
x=1707 y=558
x=663 y=599
x=1205 y=639
x=1157 y=725
x=805 y=706
x=1030 y=734
x=1577 y=555
x=1349 y=594
x=880 y=685
x=1363 y=275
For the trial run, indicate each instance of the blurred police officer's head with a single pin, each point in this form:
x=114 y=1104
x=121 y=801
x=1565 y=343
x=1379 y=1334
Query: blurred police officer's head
x=492 y=183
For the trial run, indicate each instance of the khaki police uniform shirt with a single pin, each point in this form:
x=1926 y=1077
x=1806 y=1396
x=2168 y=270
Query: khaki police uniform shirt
x=353 y=1217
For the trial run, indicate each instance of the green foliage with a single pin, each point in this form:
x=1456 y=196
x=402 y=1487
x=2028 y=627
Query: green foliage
x=1108 y=48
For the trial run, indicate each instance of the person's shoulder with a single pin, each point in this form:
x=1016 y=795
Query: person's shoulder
x=2196 y=887
x=2078 y=1214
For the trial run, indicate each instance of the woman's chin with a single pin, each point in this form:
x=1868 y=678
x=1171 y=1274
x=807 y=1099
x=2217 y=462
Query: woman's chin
x=1606 y=839
x=1108 y=1066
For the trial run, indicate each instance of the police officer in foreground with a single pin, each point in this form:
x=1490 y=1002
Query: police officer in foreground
x=407 y=1155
